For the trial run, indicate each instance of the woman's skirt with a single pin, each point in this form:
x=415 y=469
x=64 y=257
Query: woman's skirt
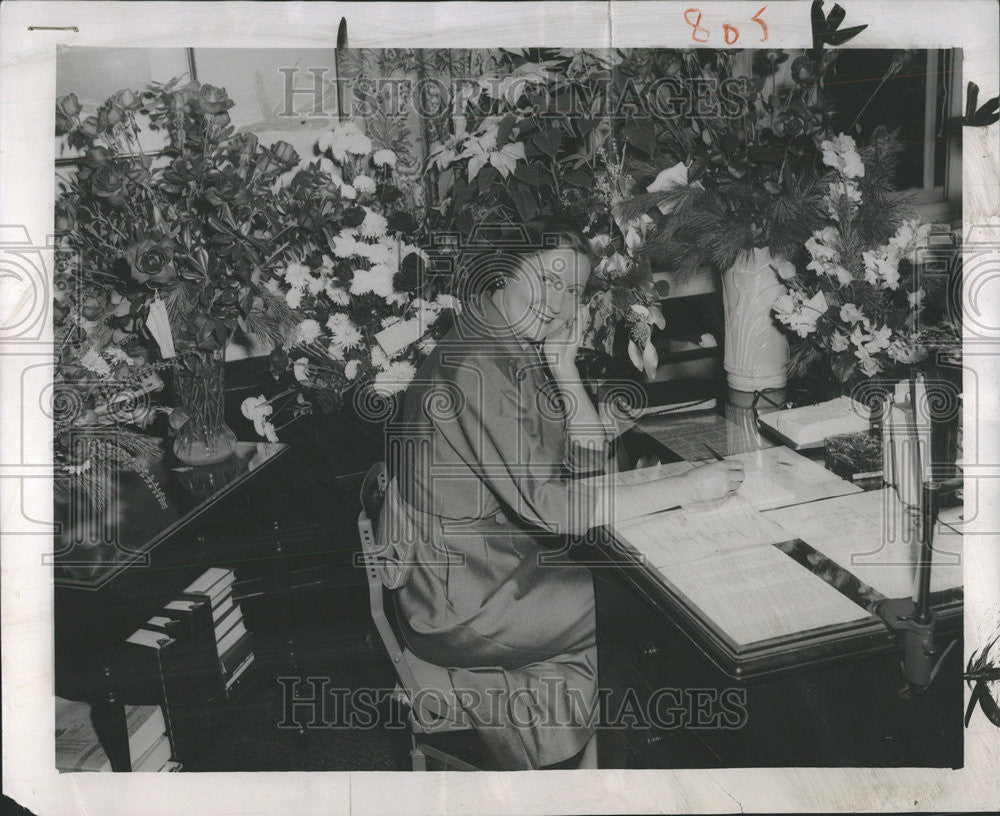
x=514 y=625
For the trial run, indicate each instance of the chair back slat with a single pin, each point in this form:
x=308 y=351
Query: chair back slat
x=383 y=615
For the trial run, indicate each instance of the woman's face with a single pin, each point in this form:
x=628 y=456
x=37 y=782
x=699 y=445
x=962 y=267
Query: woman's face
x=545 y=292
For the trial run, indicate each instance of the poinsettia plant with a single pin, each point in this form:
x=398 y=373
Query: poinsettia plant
x=540 y=134
x=356 y=277
x=860 y=306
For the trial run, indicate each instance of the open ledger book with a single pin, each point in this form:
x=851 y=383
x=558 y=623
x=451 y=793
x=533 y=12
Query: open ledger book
x=719 y=559
x=870 y=536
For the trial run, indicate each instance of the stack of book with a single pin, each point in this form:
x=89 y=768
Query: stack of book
x=197 y=651
x=233 y=645
x=79 y=749
x=808 y=425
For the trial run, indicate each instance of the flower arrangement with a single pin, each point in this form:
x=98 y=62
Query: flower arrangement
x=193 y=227
x=104 y=392
x=748 y=165
x=856 y=306
x=179 y=240
x=672 y=158
x=623 y=291
x=366 y=312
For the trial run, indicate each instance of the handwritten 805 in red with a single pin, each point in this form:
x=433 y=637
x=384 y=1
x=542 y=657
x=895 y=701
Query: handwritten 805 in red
x=730 y=33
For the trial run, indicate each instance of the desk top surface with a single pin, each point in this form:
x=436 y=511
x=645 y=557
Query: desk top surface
x=847 y=576
x=94 y=544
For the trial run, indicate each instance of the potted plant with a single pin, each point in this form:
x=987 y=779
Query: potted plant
x=744 y=194
x=748 y=190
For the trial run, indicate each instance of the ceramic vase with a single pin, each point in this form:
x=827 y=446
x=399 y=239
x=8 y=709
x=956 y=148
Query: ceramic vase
x=756 y=356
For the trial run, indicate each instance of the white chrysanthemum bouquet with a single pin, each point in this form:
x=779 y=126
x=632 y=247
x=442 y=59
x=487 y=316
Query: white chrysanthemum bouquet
x=859 y=304
x=356 y=279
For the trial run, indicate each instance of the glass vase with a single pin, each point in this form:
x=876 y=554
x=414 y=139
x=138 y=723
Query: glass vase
x=204 y=438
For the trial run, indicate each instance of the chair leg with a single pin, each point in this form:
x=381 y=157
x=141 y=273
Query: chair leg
x=417 y=757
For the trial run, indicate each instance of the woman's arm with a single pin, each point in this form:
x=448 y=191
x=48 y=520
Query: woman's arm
x=616 y=503
x=609 y=502
x=583 y=424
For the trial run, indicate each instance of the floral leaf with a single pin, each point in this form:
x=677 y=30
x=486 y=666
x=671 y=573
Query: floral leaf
x=524 y=201
x=547 y=141
x=504 y=129
x=487 y=176
x=505 y=159
x=579 y=178
x=528 y=173
x=640 y=133
x=475 y=165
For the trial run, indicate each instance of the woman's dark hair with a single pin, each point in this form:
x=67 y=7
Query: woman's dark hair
x=495 y=252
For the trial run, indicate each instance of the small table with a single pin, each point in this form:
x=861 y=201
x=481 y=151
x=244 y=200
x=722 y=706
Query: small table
x=116 y=564
x=824 y=696
x=140 y=512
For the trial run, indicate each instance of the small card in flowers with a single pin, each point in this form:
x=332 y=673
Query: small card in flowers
x=159 y=326
x=398 y=336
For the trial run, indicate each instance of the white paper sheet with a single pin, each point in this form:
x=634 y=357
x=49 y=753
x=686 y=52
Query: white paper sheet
x=693 y=533
x=775 y=477
x=760 y=593
x=870 y=535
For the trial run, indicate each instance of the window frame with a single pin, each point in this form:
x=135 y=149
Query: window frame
x=942 y=202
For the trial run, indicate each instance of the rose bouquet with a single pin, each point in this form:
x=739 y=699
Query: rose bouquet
x=183 y=236
x=857 y=308
x=194 y=226
x=367 y=312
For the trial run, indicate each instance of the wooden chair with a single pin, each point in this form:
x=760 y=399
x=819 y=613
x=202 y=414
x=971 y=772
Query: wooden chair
x=425 y=687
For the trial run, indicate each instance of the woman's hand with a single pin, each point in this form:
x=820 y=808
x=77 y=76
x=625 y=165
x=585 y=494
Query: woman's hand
x=714 y=481
x=561 y=345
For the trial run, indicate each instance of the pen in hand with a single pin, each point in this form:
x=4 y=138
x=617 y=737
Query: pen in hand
x=714 y=452
x=735 y=475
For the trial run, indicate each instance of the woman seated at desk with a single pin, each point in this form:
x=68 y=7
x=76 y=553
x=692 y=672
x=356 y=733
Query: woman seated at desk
x=494 y=427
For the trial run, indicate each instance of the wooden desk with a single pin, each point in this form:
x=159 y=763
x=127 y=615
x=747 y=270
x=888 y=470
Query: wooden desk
x=824 y=697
